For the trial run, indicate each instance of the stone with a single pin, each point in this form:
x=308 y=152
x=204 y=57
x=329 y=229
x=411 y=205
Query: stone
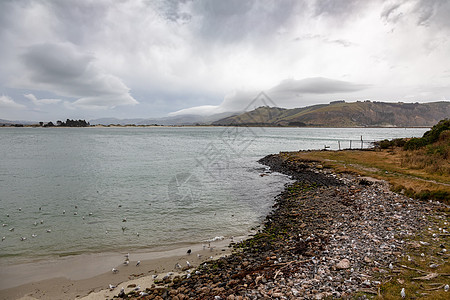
x=343 y=264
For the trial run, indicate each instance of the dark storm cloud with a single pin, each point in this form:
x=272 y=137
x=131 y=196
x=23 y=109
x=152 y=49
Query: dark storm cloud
x=61 y=68
x=236 y=20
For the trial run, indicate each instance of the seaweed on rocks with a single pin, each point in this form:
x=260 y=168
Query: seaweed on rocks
x=328 y=236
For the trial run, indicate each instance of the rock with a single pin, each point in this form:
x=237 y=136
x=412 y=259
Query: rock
x=343 y=264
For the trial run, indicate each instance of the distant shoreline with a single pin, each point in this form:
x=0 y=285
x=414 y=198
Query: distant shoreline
x=202 y=126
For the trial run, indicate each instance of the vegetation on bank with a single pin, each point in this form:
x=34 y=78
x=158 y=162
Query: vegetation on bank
x=421 y=172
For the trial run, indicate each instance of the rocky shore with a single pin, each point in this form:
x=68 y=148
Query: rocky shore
x=328 y=236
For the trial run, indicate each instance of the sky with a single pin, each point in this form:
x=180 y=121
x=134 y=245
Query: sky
x=87 y=59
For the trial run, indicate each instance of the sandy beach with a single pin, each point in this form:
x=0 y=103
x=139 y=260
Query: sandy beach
x=89 y=276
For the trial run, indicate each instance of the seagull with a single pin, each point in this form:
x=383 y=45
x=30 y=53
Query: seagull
x=42 y=221
x=138 y=263
x=76 y=206
x=20 y=209
x=126 y=262
x=127 y=255
x=83 y=218
x=75 y=213
x=154 y=276
x=114 y=270
x=402 y=293
x=11 y=229
x=143 y=294
x=4 y=225
x=3 y=238
x=90 y=214
x=111 y=287
x=35 y=224
x=137 y=233
x=189 y=251
x=188 y=275
x=49 y=230
x=23 y=238
x=188 y=264
x=64 y=212
x=446 y=288
x=106 y=231
x=34 y=235
x=137 y=288
x=199 y=256
x=391 y=266
x=177 y=266
x=124 y=219
x=7 y=215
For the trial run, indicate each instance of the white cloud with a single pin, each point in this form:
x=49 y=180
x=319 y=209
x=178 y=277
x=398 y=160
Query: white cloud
x=288 y=93
x=8 y=103
x=36 y=101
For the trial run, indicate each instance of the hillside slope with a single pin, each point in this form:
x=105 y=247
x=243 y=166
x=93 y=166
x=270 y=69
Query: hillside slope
x=342 y=114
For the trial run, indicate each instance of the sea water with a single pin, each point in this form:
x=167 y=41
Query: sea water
x=68 y=191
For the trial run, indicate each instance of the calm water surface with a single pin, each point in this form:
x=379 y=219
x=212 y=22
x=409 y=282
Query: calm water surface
x=173 y=186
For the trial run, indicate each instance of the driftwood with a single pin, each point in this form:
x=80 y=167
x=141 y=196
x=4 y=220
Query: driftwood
x=427 y=277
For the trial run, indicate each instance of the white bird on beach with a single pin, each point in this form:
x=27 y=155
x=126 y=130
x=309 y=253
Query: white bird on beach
x=143 y=294
x=11 y=229
x=138 y=263
x=114 y=270
x=3 y=238
x=127 y=255
x=20 y=209
x=137 y=288
x=90 y=214
x=111 y=287
x=49 y=230
x=199 y=256
x=4 y=225
x=126 y=262
x=188 y=264
x=124 y=219
x=23 y=238
x=64 y=212
x=42 y=221
x=402 y=293
x=34 y=235
x=177 y=266
x=154 y=276
x=75 y=213
x=35 y=224
x=391 y=266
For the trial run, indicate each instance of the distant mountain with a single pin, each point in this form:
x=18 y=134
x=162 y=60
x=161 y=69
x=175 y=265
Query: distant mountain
x=342 y=114
x=175 y=120
x=9 y=122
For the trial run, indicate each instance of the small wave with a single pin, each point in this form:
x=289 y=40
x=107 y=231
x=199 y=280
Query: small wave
x=217 y=238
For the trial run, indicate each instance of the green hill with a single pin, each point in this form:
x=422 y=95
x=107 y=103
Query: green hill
x=343 y=114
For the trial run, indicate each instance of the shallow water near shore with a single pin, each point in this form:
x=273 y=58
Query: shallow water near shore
x=69 y=191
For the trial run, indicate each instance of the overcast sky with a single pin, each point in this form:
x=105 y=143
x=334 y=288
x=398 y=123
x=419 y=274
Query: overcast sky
x=137 y=59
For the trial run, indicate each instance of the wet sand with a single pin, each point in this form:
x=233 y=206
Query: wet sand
x=90 y=275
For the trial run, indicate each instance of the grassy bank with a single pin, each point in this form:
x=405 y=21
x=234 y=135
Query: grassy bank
x=418 y=167
x=396 y=166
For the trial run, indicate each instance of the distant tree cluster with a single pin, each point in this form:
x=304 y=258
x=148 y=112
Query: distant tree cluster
x=68 y=123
